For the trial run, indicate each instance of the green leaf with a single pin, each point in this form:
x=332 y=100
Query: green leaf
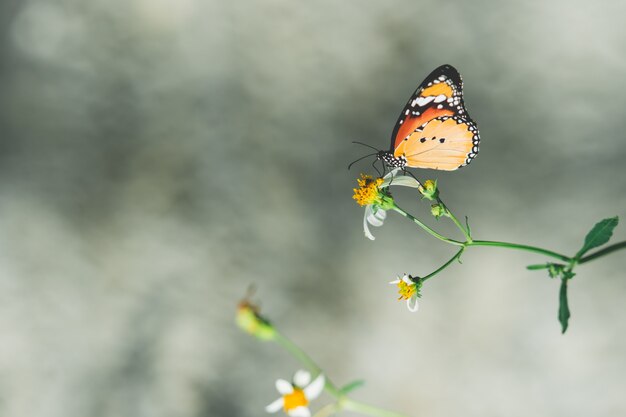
x=469 y=230
x=564 y=313
x=352 y=386
x=568 y=274
x=536 y=267
x=599 y=235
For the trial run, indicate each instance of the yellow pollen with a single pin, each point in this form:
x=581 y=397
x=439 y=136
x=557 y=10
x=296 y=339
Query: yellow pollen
x=295 y=399
x=367 y=193
x=405 y=290
x=429 y=184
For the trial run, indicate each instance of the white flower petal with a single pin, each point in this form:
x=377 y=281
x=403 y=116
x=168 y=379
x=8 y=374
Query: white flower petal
x=396 y=281
x=366 y=229
x=404 y=180
x=407 y=280
x=412 y=308
x=315 y=388
x=283 y=387
x=275 y=406
x=301 y=411
x=302 y=378
x=376 y=218
x=393 y=178
x=373 y=216
x=391 y=174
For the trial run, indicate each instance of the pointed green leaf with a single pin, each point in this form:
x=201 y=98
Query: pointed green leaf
x=599 y=235
x=469 y=230
x=352 y=386
x=564 y=313
x=568 y=274
x=536 y=267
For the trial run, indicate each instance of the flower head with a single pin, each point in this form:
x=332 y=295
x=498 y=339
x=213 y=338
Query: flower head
x=429 y=190
x=250 y=320
x=374 y=195
x=409 y=290
x=297 y=395
x=437 y=210
x=368 y=192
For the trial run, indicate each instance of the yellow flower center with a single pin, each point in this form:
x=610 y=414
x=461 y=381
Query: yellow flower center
x=367 y=193
x=295 y=399
x=429 y=185
x=405 y=290
x=429 y=190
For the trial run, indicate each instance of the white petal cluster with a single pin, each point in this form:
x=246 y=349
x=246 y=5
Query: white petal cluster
x=376 y=216
x=301 y=381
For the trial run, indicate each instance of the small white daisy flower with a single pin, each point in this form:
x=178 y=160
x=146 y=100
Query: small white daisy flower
x=374 y=216
x=369 y=195
x=297 y=395
x=408 y=290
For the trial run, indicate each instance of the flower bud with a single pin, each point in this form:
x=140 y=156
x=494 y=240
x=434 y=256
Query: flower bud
x=250 y=321
x=437 y=211
x=429 y=190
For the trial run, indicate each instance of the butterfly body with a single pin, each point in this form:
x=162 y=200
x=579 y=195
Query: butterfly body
x=434 y=130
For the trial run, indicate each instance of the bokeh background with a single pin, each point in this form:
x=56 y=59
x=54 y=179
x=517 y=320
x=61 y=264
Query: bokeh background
x=158 y=156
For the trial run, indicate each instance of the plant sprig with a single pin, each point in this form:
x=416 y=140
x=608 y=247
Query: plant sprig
x=376 y=196
x=249 y=319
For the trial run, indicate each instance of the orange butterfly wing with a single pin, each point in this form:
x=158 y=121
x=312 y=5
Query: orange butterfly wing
x=444 y=143
x=439 y=96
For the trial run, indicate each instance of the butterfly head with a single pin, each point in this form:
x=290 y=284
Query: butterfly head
x=390 y=160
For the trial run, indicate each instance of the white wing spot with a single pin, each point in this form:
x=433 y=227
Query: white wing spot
x=422 y=101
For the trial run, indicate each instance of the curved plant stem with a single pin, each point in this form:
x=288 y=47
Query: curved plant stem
x=456 y=221
x=444 y=266
x=602 y=252
x=306 y=360
x=343 y=402
x=427 y=229
x=520 y=247
x=470 y=242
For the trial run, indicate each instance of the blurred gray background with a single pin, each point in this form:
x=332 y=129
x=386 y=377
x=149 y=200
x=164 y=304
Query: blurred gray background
x=158 y=156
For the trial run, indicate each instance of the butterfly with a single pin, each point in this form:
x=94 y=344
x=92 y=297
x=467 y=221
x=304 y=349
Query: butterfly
x=434 y=130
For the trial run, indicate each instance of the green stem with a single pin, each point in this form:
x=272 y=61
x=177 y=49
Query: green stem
x=470 y=242
x=520 y=247
x=343 y=402
x=359 y=407
x=306 y=361
x=444 y=266
x=537 y=267
x=456 y=221
x=605 y=251
x=426 y=228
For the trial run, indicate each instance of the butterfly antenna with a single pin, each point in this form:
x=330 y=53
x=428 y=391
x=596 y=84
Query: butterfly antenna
x=365 y=144
x=363 y=157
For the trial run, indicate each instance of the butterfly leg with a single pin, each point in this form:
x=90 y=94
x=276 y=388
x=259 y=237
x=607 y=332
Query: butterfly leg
x=407 y=172
x=376 y=168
